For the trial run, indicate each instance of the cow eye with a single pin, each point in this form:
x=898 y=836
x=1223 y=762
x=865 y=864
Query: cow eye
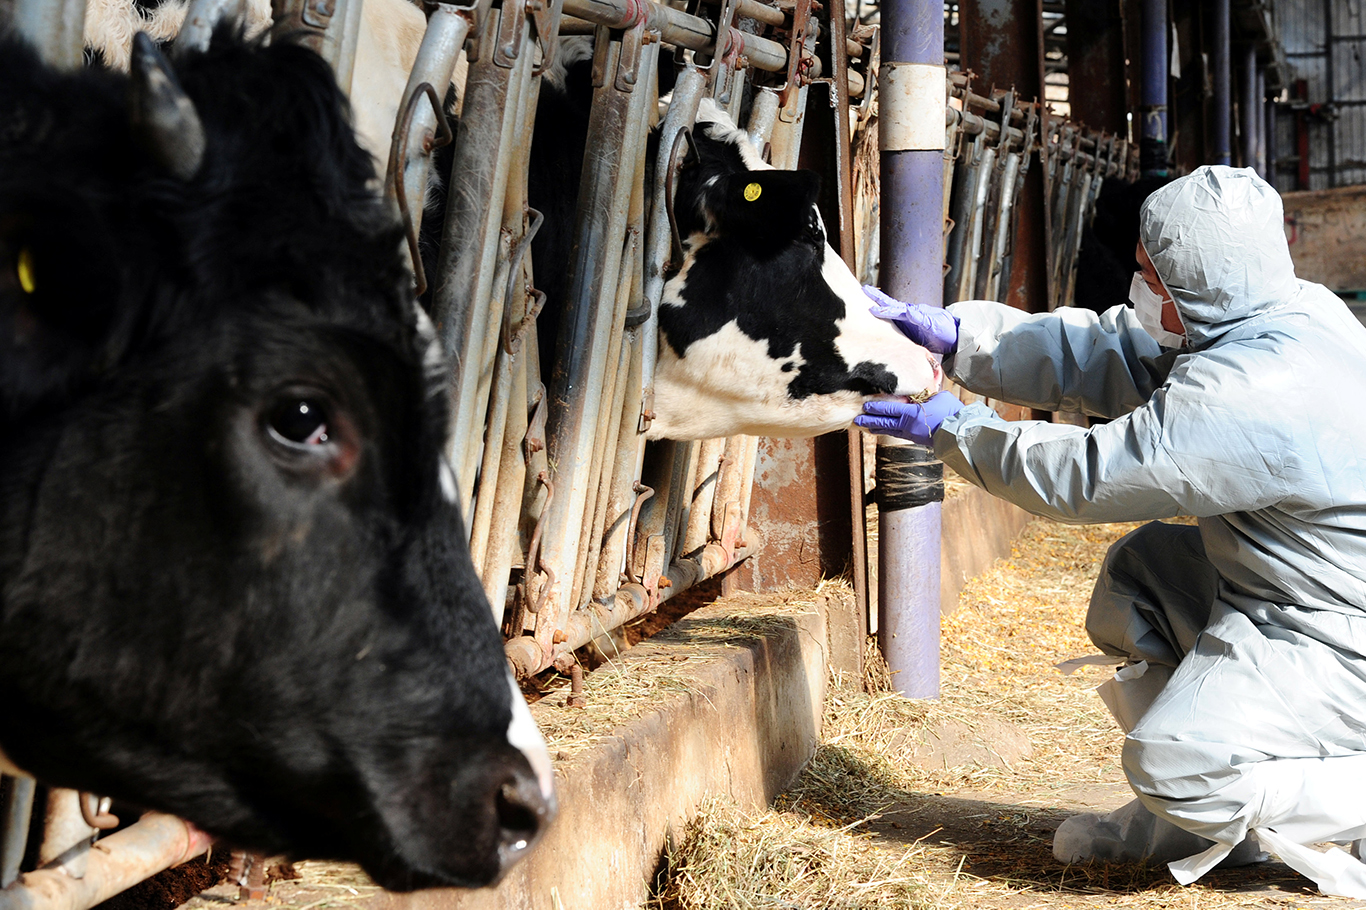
x=299 y=422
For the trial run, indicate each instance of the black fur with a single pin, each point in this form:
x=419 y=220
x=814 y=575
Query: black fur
x=288 y=647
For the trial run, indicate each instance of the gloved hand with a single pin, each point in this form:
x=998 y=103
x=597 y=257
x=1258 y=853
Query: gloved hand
x=931 y=327
x=907 y=420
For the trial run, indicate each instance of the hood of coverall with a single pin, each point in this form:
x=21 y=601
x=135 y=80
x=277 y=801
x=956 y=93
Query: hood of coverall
x=1217 y=240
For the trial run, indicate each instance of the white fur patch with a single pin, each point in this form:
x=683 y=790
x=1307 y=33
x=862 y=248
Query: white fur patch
x=862 y=336
x=727 y=383
x=445 y=476
x=724 y=129
x=525 y=736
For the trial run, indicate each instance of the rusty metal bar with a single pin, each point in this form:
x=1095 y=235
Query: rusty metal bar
x=631 y=601
x=66 y=836
x=467 y=304
x=154 y=843
x=447 y=28
x=680 y=29
x=617 y=127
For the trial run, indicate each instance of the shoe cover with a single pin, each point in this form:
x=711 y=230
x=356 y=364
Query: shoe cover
x=1133 y=834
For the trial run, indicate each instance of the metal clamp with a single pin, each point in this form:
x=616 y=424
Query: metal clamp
x=512 y=337
x=670 y=187
x=511 y=33
x=642 y=494
x=398 y=157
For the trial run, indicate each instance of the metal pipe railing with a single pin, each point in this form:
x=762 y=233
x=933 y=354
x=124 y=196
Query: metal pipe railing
x=681 y=30
x=154 y=843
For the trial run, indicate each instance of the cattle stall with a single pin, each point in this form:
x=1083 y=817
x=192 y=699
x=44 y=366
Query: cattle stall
x=577 y=524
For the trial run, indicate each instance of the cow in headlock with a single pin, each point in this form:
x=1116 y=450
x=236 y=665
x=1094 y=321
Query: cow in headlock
x=234 y=584
x=764 y=330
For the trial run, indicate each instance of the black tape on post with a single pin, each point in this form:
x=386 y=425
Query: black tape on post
x=908 y=476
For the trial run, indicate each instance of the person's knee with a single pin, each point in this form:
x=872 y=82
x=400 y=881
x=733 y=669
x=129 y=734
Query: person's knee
x=1175 y=767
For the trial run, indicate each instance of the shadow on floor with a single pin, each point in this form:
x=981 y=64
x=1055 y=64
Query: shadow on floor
x=1001 y=841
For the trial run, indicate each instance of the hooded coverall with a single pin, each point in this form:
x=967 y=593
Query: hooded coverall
x=1244 y=701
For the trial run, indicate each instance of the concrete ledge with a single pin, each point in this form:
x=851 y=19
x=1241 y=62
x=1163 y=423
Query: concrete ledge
x=978 y=529
x=748 y=676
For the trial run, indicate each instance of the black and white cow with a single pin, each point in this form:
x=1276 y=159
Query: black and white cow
x=233 y=578
x=764 y=330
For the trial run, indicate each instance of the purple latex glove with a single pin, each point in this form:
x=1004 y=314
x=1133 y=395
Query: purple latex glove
x=931 y=327
x=907 y=420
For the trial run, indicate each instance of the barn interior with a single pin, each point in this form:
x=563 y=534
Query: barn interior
x=722 y=633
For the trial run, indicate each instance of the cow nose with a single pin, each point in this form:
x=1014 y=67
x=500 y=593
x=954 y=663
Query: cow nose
x=523 y=811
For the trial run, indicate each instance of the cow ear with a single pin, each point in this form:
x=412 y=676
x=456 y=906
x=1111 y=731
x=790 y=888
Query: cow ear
x=162 y=116
x=769 y=207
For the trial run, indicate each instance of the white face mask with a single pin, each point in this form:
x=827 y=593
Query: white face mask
x=1148 y=308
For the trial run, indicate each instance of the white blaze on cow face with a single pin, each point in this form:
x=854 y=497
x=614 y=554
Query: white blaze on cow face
x=863 y=336
x=525 y=736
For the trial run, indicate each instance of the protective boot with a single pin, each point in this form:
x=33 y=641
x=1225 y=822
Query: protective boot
x=1133 y=834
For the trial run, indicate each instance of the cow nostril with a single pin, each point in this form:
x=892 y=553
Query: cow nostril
x=519 y=818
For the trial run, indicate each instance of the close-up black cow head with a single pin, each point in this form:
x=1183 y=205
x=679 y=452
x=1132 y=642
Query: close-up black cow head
x=234 y=583
x=764 y=330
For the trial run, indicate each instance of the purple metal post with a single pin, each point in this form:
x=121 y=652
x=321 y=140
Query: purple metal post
x=1222 y=152
x=1153 y=145
x=912 y=269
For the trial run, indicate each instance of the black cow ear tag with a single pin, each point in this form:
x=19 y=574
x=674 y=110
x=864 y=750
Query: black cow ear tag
x=753 y=191
x=23 y=267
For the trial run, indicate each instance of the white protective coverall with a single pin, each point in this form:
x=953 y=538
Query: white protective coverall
x=1244 y=700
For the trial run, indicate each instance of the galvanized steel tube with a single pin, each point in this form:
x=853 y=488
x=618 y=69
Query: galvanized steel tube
x=617 y=125
x=1222 y=112
x=912 y=75
x=442 y=44
x=688 y=92
x=678 y=28
x=66 y=836
x=15 y=815
x=154 y=843
x=466 y=307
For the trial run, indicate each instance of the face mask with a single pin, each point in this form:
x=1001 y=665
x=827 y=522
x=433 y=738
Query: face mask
x=1148 y=307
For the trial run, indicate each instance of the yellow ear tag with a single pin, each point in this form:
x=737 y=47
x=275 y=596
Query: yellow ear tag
x=752 y=192
x=25 y=269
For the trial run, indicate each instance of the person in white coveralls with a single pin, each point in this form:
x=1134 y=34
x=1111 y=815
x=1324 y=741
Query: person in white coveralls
x=1237 y=394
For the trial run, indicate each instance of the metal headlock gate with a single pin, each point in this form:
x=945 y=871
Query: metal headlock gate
x=577 y=525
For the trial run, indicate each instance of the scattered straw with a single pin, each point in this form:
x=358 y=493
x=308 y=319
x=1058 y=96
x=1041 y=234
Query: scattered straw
x=729 y=859
x=865 y=826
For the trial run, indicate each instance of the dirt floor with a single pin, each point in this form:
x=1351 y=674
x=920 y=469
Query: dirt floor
x=953 y=804
x=920 y=805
